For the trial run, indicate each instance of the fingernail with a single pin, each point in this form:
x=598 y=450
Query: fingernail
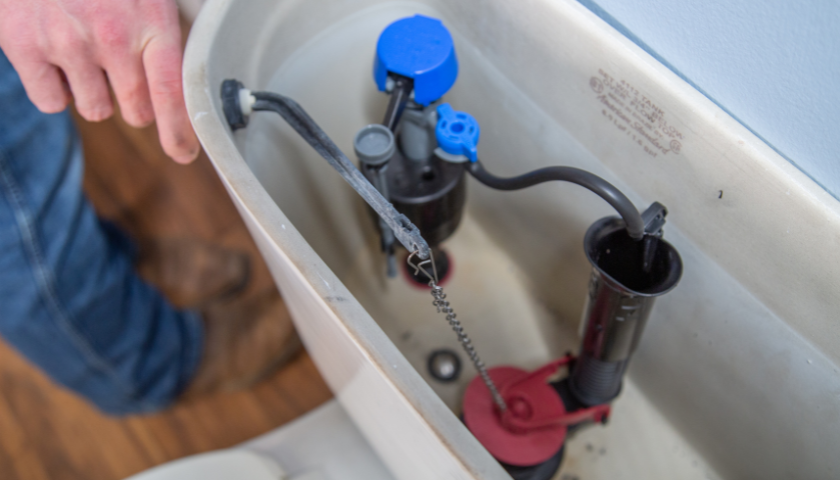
x=52 y=106
x=188 y=158
x=98 y=114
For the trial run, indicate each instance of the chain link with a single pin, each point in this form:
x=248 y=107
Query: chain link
x=443 y=306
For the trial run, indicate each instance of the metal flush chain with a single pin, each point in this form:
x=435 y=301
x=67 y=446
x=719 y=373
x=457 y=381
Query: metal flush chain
x=443 y=306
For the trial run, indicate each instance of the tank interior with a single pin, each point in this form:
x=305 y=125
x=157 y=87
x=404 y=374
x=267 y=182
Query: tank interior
x=520 y=275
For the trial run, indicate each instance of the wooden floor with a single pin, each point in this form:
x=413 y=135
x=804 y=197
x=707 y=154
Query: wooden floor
x=47 y=432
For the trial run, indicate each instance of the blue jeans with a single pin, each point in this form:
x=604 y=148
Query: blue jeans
x=69 y=298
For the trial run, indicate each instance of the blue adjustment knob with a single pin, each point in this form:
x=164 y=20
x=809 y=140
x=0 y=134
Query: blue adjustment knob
x=457 y=132
x=419 y=48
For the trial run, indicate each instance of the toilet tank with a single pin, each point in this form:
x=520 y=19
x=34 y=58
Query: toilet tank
x=737 y=373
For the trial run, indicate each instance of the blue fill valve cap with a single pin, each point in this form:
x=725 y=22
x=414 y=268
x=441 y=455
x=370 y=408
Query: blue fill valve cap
x=419 y=48
x=457 y=132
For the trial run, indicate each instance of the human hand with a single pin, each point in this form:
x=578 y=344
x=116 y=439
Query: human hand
x=64 y=47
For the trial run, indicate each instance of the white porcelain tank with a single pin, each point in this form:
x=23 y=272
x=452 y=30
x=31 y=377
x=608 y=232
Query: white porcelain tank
x=737 y=373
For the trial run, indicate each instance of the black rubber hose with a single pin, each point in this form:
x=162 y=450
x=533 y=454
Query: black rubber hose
x=590 y=181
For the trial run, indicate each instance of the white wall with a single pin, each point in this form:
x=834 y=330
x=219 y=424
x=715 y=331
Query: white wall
x=772 y=64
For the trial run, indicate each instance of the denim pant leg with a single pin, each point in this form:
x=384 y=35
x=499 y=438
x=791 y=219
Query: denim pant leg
x=69 y=298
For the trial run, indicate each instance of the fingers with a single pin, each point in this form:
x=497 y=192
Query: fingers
x=50 y=56
x=44 y=86
x=138 y=44
x=162 y=61
x=128 y=79
x=19 y=35
x=90 y=89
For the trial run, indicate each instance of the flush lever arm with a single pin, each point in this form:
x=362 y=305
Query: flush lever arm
x=236 y=113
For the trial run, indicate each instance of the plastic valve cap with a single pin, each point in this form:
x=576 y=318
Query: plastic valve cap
x=374 y=145
x=457 y=132
x=419 y=48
